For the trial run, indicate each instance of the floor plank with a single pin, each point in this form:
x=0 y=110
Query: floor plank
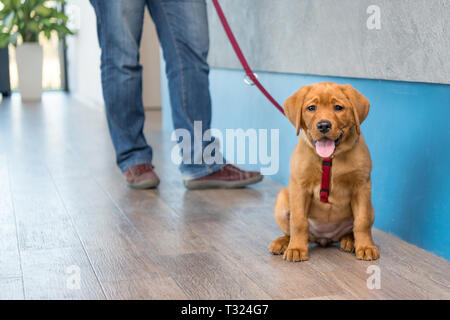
x=11 y=289
x=11 y=284
x=210 y=276
x=53 y=274
x=152 y=289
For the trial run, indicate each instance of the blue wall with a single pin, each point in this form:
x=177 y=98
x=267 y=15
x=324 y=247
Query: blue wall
x=407 y=131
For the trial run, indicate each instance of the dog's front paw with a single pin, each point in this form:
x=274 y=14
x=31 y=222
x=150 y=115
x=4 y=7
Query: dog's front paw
x=369 y=252
x=296 y=254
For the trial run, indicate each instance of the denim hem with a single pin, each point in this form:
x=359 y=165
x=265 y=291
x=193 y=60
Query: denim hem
x=134 y=162
x=207 y=170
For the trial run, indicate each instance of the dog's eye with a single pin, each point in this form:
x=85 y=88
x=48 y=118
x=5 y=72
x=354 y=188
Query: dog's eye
x=311 y=108
x=338 y=108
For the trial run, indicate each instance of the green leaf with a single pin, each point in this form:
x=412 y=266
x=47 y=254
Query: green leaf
x=4 y=13
x=15 y=4
x=33 y=4
x=33 y=27
x=9 y=20
x=6 y=4
x=60 y=15
x=43 y=11
x=4 y=40
x=63 y=30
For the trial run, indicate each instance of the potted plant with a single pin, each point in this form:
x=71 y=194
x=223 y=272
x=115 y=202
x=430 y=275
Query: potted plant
x=22 y=22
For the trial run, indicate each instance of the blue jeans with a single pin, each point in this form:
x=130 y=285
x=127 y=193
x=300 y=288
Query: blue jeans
x=182 y=29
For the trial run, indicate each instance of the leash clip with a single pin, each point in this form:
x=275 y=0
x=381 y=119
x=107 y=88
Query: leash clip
x=248 y=81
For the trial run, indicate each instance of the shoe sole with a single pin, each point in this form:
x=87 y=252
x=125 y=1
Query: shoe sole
x=220 y=184
x=147 y=184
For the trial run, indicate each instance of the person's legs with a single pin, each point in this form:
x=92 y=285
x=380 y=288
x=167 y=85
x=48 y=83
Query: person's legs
x=119 y=25
x=182 y=28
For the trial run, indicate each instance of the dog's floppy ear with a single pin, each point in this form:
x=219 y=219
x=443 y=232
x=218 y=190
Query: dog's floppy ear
x=293 y=107
x=360 y=105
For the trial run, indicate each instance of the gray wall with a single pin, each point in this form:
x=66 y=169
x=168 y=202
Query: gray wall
x=329 y=37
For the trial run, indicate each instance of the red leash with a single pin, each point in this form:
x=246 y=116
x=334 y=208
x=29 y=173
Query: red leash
x=326 y=164
x=241 y=56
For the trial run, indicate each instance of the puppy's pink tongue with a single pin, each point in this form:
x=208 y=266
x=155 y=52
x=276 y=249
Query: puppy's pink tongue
x=325 y=147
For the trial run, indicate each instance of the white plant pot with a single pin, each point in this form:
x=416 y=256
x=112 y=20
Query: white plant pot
x=29 y=58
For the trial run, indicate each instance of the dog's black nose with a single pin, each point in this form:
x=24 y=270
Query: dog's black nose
x=324 y=126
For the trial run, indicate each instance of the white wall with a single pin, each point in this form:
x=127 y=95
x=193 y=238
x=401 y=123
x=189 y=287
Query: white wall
x=83 y=59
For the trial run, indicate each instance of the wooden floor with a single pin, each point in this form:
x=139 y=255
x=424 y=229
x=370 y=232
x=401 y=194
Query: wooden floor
x=64 y=208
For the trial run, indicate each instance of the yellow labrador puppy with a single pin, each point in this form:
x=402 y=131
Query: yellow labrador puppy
x=328 y=198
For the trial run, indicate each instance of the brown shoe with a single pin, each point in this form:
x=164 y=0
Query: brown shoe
x=142 y=176
x=227 y=177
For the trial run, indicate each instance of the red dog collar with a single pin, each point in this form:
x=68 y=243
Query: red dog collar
x=325 y=187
